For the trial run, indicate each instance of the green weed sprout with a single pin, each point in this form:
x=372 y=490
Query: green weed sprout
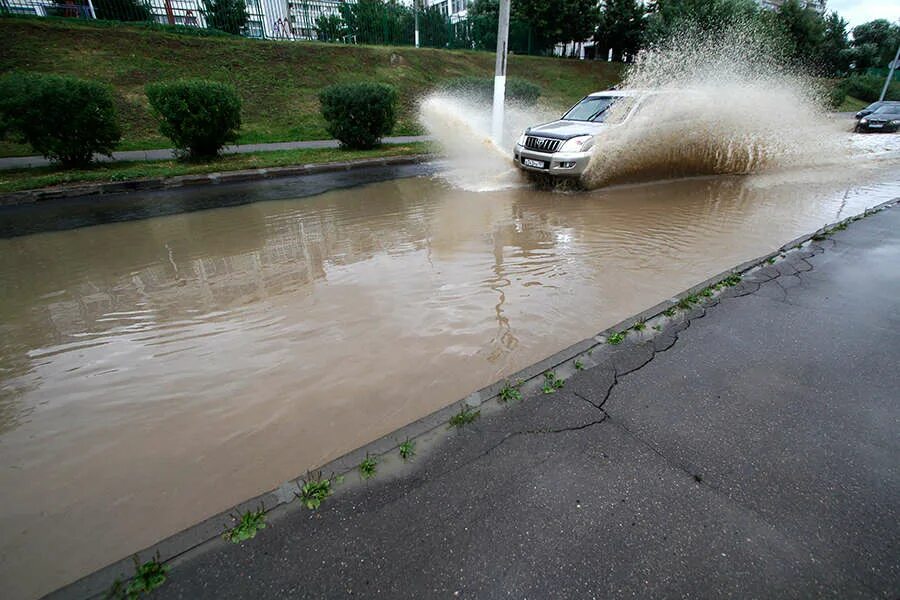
x=407 y=449
x=368 y=467
x=616 y=338
x=248 y=524
x=510 y=392
x=465 y=416
x=314 y=490
x=552 y=383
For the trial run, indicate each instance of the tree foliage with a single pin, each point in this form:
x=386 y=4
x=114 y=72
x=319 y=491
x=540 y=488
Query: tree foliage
x=620 y=28
x=669 y=17
x=122 y=10
x=226 y=15
x=874 y=43
x=378 y=21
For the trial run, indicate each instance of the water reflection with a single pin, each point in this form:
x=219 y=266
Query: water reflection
x=227 y=350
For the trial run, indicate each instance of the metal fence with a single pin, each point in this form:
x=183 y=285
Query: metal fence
x=336 y=21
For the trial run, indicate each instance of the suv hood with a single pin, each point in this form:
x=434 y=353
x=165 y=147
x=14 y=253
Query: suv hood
x=564 y=130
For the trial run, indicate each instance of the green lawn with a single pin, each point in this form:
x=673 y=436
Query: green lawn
x=278 y=82
x=851 y=104
x=26 y=179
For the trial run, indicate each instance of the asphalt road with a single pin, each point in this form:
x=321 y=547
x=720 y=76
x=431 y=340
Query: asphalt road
x=755 y=453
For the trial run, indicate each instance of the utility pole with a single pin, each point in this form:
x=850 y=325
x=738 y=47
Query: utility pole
x=500 y=73
x=416 y=11
x=890 y=76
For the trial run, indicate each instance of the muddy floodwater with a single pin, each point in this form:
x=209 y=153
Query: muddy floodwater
x=154 y=372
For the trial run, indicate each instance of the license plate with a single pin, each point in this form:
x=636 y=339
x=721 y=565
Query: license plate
x=876 y=125
x=538 y=164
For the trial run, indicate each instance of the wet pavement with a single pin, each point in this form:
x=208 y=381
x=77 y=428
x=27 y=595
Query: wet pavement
x=747 y=450
x=230 y=349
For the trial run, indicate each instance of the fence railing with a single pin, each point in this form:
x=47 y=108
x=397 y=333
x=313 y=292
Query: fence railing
x=336 y=21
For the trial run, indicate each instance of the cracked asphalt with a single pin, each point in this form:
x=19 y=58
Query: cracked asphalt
x=750 y=449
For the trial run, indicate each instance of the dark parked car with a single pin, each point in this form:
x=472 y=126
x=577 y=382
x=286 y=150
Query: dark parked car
x=873 y=107
x=886 y=119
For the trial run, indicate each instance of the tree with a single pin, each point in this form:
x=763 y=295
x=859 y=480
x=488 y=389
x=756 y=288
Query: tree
x=835 y=50
x=226 y=15
x=122 y=10
x=330 y=28
x=553 y=21
x=621 y=28
x=875 y=43
x=484 y=16
x=803 y=32
x=668 y=17
x=378 y=21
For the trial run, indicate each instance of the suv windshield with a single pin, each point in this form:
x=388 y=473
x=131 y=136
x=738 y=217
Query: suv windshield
x=592 y=108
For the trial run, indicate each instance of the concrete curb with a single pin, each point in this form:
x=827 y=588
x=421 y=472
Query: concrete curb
x=206 y=535
x=162 y=183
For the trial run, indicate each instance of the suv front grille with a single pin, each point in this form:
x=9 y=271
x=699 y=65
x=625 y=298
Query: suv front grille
x=539 y=144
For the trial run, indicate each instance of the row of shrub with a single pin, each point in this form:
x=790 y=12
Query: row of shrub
x=864 y=87
x=69 y=120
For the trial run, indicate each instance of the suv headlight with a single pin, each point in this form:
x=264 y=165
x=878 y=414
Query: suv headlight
x=582 y=143
x=863 y=120
x=521 y=141
x=895 y=122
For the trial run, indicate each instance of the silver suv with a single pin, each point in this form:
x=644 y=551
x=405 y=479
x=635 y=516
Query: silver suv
x=563 y=148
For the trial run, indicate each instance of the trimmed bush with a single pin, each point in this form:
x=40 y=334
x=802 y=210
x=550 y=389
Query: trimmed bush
x=359 y=114
x=65 y=119
x=481 y=89
x=198 y=116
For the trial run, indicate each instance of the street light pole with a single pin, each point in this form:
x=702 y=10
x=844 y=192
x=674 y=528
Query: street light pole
x=416 y=12
x=890 y=76
x=500 y=73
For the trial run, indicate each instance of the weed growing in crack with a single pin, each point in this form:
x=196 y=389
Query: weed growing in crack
x=579 y=366
x=640 y=325
x=819 y=237
x=657 y=328
x=147 y=577
x=706 y=292
x=688 y=301
x=407 y=449
x=368 y=466
x=248 y=525
x=510 y=392
x=552 y=383
x=732 y=280
x=669 y=312
x=771 y=261
x=465 y=416
x=314 y=490
x=616 y=338
x=840 y=226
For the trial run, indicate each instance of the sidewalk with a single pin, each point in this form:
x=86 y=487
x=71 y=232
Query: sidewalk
x=748 y=449
x=22 y=162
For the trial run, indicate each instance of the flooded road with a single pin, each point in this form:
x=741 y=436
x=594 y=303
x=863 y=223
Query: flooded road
x=155 y=372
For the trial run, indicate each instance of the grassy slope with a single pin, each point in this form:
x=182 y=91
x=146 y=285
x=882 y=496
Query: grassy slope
x=278 y=81
x=851 y=104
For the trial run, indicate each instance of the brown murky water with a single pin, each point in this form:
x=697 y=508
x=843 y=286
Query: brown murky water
x=155 y=372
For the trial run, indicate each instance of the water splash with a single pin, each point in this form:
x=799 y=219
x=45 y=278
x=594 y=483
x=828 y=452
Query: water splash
x=728 y=106
x=463 y=128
